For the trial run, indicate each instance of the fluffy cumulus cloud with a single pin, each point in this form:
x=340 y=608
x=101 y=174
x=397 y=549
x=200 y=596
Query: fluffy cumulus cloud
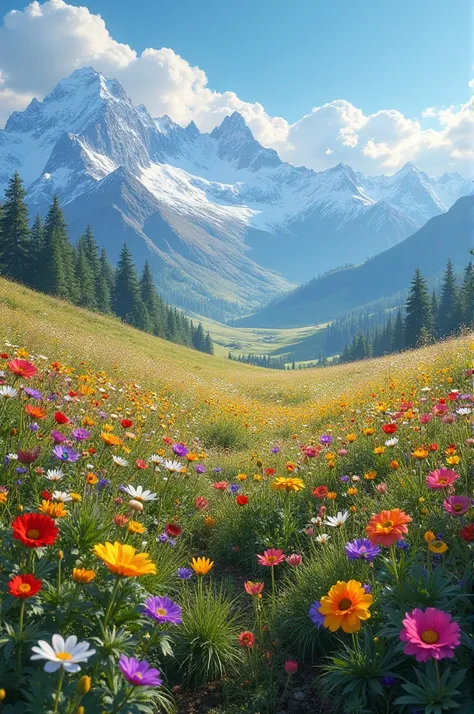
x=45 y=42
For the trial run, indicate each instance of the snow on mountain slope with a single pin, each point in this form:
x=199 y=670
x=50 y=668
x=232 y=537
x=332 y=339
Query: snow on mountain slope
x=228 y=220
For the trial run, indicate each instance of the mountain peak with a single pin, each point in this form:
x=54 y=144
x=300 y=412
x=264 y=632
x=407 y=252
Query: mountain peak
x=192 y=129
x=235 y=123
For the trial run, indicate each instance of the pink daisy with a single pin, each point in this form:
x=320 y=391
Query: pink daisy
x=271 y=557
x=441 y=478
x=457 y=505
x=430 y=633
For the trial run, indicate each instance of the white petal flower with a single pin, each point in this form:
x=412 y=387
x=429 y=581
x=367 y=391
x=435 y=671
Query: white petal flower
x=139 y=493
x=323 y=538
x=8 y=392
x=463 y=411
x=54 y=474
x=119 y=461
x=62 y=653
x=155 y=459
x=61 y=496
x=391 y=442
x=338 y=520
x=174 y=466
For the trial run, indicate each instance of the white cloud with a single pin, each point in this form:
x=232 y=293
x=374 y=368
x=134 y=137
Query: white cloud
x=45 y=42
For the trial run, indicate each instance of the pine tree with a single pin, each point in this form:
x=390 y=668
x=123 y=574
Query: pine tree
x=467 y=296
x=36 y=250
x=208 y=345
x=398 y=336
x=435 y=311
x=127 y=289
x=418 y=316
x=86 y=277
x=448 y=304
x=105 y=284
x=199 y=338
x=15 y=256
x=56 y=263
x=149 y=296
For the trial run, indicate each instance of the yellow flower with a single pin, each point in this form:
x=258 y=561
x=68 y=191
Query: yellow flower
x=420 y=453
x=201 y=566
x=352 y=491
x=87 y=421
x=370 y=475
x=83 y=686
x=379 y=450
x=330 y=456
x=257 y=477
x=123 y=559
x=332 y=495
x=241 y=477
x=368 y=431
x=82 y=575
x=192 y=456
x=437 y=546
x=345 y=606
x=453 y=460
x=381 y=406
x=110 y=439
x=429 y=536
x=55 y=510
x=76 y=497
x=350 y=438
x=210 y=521
x=290 y=484
x=3 y=497
x=135 y=527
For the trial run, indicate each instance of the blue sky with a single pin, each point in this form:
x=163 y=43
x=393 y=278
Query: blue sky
x=291 y=56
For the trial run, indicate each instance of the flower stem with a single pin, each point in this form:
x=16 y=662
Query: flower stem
x=111 y=601
x=58 y=689
x=20 y=634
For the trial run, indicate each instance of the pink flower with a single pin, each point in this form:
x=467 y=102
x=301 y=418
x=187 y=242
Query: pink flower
x=294 y=560
x=342 y=452
x=425 y=418
x=381 y=487
x=291 y=667
x=449 y=419
x=441 y=478
x=457 y=505
x=201 y=503
x=430 y=633
x=271 y=557
x=220 y=485
x=440 y=409
x=311 y=451
x=253 y=588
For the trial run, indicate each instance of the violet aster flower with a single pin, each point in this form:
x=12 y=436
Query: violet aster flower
x=180 y=449
x=200 y=469
x=314 y=614
x=162 y=609
x=102 y=483
x=57 y=437
x=185 y=573
x=80 y=434
x=34 y=427
x=362 y=549
x=66 y=454
x=234 y=487
x=216 y=470
x=367 y=587
x=344 y=479
x=140 y=674
x=275 y=449
x=33 y=393
x=325 y=439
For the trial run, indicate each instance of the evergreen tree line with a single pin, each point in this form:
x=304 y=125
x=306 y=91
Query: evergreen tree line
x=427 y=317
x=259 y=360
x=216 y=308
x=44 y=258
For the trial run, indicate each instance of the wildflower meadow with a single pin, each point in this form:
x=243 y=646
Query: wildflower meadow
x=250 y=542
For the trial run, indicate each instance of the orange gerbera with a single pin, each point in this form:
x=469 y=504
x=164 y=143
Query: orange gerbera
x=345 y=605
x=111 y=439
x=35 y=412
x=388 y=527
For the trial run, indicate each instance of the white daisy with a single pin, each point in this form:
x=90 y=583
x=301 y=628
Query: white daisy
x=8 y=392
x=54 y=474
x=61 y=496
x=62 y=653
x=391 y=442
x=463 y=411
x=173 y=466
x=12 y=457
x=317 y=521
x=323 y=538
x=338 y=520
x=155 y=459
x=139 y=494
x=119 y=461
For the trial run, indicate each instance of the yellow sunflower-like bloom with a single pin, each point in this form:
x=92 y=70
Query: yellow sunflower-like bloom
x=345 y=606
x=123 y=559
x=111 y=439
x=136 y=527
x=201 y=566
x=82 y=575
x=55 y=510
x=287 y=483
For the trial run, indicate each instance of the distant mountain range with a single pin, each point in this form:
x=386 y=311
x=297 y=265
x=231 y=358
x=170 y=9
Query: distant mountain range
x=450 y=235
x=220 y=217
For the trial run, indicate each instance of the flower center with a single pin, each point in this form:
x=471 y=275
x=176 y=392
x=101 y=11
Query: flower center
x=33 y=533
x=138 y=675
x=443 y=480
x=161 y=611
x=345 y=604
x=24 y=588
x=430 y=637
x=387 y=524
x=63 y=656
x=458 y=507
x=271 y=559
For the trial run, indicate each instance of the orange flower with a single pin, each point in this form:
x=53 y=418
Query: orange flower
x=394 y=465
x=55 y=510
x=420 y=453
x=345 y=606
x=91 y=479
x=110 y=439
x=350 y=438
x=453 y=460
x=331 y=495
x=370 y=475
x=368 y=431
x=35 y=412
x=388 y=527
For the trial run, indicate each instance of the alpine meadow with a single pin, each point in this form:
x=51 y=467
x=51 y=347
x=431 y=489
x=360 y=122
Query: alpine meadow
x=236 y=358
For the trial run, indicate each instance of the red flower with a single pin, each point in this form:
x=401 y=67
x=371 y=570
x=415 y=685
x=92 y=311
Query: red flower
x=467 y=533
x=201 y=503
x=246 y=639
x=35 y=530
x=24 y=586
x=389 y=428
x=291 y=667
x=27 y=456
x=126 y=423
x=46 y=495
x=241 y=500
x=22 y=368
x=60 y=418
x=172 y=529
x=35 y=412
x=167 y=440
x=270 y=472
x=4 y=355
x=140 y=464
x=433 y=447
x=321 y=491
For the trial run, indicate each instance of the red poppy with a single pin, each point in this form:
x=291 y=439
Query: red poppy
x=22 y=368
x=433 y=447
x=60 y=418
x=35 y=530
x=321 y=491
x=46 y=495
x=246 y=639
x=4 y=355
x=126 y=423
x=172 y=529
x=270 y=472
x=389 y=428
x=467 y=533
x=241 y=500
x=140 y=464
x=27 y=456
x=24 y=586
x=167 y=440
x=73 y=394
x=201 y=503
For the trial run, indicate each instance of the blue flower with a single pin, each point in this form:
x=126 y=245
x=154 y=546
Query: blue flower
x=314 y=614
x=185 y=573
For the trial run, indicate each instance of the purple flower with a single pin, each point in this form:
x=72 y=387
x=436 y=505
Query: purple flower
x=325 y=439
x=275 y=449
x=102 y=483
x=362 y=549
x=34 y=427
x=20 y=470
x=66 y=454
x=216 y=470
x=102 y=415
x=403 y=545
x=387 y=681
x=367 y=587
x=140 y=674
x=185 y=573
x=163 y=538
x=180 y=449
x=57 y=437
x=314 y=614
x=33 y=393
x=162 y=609
x=344 y=479
x=200 y=469
x=80 y=434
x=234 y=487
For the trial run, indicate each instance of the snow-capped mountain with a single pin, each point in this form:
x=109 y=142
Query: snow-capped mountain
x=218 y=215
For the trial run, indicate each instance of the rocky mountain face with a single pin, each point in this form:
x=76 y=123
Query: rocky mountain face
x=220 y=218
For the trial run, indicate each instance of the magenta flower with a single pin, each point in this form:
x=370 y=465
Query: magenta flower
x=457 y=505
x=140 y=674
x=162 y=609
x=430 y=634
x=180 y=449
x=81 y=434
x=441 y=478
x=271 y=557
